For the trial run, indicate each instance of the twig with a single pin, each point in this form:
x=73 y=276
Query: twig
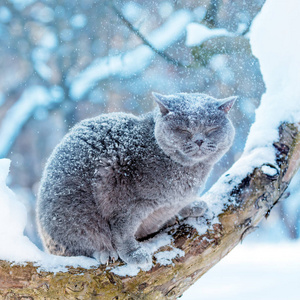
x=163 y=54
x=212 y=12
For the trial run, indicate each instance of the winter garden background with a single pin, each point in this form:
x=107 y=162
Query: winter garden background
x=63 y=61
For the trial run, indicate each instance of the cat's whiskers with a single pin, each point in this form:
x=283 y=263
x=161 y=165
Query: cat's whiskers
x=190 y=148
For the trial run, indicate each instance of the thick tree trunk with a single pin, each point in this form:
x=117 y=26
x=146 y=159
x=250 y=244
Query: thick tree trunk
x=248 y=202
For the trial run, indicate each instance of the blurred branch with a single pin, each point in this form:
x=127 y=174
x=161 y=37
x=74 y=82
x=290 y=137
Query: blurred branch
x=131 y=62
x=26 y=37
x=220 y=45
x=21 y=111
x=130 y=26
x=212 y=13
x=251 y=21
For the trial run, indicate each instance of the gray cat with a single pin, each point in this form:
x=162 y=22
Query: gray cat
x=117 y=178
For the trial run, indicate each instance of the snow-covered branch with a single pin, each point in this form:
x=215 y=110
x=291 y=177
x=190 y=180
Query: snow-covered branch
x=33 y=98
x=199 y=33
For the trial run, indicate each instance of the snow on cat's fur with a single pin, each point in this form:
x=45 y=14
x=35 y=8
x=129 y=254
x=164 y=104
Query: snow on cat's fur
x=118 y=177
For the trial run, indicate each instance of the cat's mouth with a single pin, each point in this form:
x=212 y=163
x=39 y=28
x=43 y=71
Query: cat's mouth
x=190 y=149
x=197 y=152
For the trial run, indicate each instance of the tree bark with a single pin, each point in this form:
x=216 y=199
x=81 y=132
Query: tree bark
x=248 y=202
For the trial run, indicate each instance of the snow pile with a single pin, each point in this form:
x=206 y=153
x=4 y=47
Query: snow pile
x=278 y=55
x=165 y=258
x=275 y=42
x=199 y=33
x=13 y=244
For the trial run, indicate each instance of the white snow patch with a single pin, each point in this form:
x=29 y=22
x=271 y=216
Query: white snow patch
x=199 y=33
x=165 y=9
x=165 y=257
x=5 y=14
x=278 y=55
x=269 y=170
x=78 y=21
x=157 y=242
x=130 y=270
x=132 y=11
x=126 y=270
x=200 y=223
x=12 y=213
x=49 y=40
x=279 y=59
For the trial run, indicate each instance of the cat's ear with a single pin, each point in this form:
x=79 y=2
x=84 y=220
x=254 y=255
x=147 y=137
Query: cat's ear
x=162 y=102
x=226 y=104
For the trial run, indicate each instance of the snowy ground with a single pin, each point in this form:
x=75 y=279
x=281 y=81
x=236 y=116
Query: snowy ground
x=252 y=271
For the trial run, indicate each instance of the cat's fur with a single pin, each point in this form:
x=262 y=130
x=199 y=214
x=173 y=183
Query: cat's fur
x=118 y=177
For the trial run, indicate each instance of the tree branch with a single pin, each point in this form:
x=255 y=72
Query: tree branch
x=248 y=201
x=130 y=26
x=212 y=13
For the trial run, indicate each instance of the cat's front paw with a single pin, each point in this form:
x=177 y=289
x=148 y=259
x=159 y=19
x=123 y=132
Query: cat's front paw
x=139 y=256
x=105 y=256
x=195 y=209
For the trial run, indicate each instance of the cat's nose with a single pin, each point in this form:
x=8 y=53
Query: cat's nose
x=199 y=142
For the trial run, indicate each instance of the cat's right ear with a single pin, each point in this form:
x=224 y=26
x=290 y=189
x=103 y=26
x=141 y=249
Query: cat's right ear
x=226 y=104
x=161 y=100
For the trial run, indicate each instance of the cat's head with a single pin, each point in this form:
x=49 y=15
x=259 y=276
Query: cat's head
x=191 y=128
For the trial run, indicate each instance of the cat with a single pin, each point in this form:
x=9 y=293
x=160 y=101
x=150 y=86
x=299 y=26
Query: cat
x=117 y=177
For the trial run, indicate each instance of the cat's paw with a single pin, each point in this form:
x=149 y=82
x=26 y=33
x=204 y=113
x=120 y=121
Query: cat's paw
x=139 y=256
x=105 y=256
x=195 y=209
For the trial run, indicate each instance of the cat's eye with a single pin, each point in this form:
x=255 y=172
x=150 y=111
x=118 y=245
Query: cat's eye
x=211 y=130
x=183 y=131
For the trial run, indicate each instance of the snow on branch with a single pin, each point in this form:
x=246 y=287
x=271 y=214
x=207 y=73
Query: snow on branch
x=199 y=33
x=32 y=98
x=132 y=62
x=163 y=54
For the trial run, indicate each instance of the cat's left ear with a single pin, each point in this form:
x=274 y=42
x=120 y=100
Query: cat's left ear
x=226 y=104
x=163 y=103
